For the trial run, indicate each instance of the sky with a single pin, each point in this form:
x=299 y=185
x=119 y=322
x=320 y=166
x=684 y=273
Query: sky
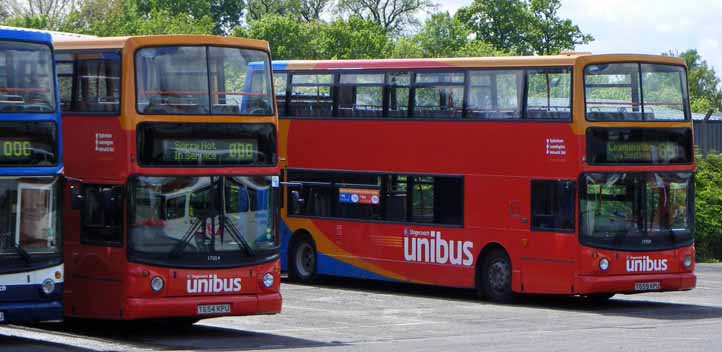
x=643 y=26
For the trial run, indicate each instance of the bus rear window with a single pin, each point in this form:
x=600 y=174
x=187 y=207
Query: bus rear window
x=200 y=80
x=635 y=92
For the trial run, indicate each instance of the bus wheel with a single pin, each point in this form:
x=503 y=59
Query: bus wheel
x=302 y=266
x=495 y=277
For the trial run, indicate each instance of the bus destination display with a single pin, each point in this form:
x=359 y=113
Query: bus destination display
x=664 y=152
x=639 y=146
x=207 y=151
x=27 y=143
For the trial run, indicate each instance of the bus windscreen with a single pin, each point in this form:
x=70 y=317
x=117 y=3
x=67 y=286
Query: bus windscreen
x=26 y=78
x=203 y=80
x=635 y=92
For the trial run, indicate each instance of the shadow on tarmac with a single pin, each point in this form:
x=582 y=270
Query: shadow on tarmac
x=15 y=344
x=629 y=307
x=164 y=335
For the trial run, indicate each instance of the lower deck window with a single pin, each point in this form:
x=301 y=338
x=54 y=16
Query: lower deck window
x=376 y=197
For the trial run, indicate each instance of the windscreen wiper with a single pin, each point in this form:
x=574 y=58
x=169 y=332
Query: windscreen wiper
x=235 y=233
x=24 y=254
x=180 y=246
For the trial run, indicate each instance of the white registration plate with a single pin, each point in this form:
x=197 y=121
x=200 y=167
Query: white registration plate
x=2 y=317
x=647 y=286
x=214 y=308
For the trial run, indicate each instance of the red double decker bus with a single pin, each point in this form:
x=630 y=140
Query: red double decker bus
x=568 y=174
x=171 y=206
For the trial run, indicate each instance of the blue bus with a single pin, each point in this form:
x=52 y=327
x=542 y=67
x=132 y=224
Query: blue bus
x=31 y=260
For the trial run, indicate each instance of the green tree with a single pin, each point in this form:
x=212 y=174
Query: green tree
x=125 y=17
x=311 y=10
x=257 y=9
x=524 y=27
x=288 y=38
x=355 y=38
x=708 y=207
x=442 y=36
x=550 y=34
x=226 y=14
x=37 y=22
x=704 y=91
x=391 y=15
x=40 y=14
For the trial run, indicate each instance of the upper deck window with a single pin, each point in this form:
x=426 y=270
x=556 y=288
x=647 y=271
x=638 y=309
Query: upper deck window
x=89 y=82
x=27 y=83
x=439 y=94
x=200 y=80
x=635 y=92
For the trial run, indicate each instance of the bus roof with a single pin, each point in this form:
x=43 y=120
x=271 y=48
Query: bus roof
x=157 y=40
x=11 y=33
x=494 y=61
x=52 y=35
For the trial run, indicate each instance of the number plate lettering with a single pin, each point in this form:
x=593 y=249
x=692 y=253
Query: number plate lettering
x=214 y=308
x=647 y=286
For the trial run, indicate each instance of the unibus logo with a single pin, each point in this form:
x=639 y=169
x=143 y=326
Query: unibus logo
x=429 y=247
x=212 y=284
x=644 y=264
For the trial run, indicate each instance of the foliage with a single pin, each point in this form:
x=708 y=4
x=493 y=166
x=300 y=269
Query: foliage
x=288 y=38
x=704 y=92
x=708 y=207
x=257 y=9
x=392 y=15
x=442 y=36
x=128 y=17
x=41 y=14
x=355 y=38
x=524 y=27
x=225 y=14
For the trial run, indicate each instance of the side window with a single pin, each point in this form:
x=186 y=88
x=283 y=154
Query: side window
x=361 y=95
x=439 y=94
x=89 y=82
x=552 y=205
x=391 y=197
x=549 y=94
x=311 y=95
x=310 y=193
x=102 y=215
x=495 y=94
x=280 y=81
x=398 y=86
x=359 y=196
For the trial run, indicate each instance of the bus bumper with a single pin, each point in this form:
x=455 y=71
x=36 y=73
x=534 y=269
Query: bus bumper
x=626 y=283
x=28 y=312
x=170 y=307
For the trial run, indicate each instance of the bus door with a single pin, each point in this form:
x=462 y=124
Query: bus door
x=94 y=251
x=549 y=251
x=35 y=230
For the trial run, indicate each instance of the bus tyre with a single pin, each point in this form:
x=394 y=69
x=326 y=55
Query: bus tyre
x=495 y=277
x=302 y=261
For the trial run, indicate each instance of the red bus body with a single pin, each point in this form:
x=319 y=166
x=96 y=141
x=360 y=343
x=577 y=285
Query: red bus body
x=494 y=161
x=104 y=280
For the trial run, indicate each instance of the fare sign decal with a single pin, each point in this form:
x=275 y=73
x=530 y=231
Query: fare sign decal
x=359 y=196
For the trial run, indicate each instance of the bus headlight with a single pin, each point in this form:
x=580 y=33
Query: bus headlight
x=156 y=284
x=268 y=280
x=48 y=286
x=604 y=264
x=687 y=261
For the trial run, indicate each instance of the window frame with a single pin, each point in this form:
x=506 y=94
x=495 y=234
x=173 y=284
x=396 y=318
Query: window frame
x=87 y=233
x=409 y=202
x=73 y=92
x=54 y=80
x=336 y=72
x=533 y=196
x=332 y=91
x=208 y=77
x=686 y=100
